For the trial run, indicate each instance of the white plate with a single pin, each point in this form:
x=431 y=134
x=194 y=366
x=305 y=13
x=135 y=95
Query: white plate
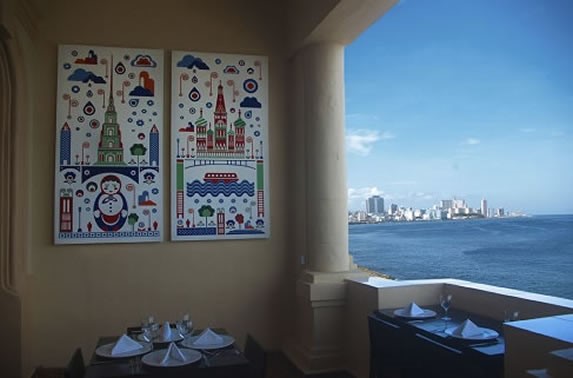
x=175 y=337
x=105 y=351
x=190 y=343
x=404 y=314
x=155 y=358
x=487 y=334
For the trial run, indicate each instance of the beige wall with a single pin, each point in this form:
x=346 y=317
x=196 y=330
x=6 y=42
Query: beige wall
x=76 y=293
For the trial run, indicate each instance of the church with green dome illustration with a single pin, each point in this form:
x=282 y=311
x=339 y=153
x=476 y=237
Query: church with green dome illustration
x=110 y=147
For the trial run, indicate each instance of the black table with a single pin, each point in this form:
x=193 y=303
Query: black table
x=225 y=362
x=412 y=347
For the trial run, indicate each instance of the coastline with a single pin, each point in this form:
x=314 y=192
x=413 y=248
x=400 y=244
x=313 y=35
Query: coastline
x=375 y=273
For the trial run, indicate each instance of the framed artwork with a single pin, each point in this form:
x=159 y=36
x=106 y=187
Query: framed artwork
x=219 y=149
x=108 y=176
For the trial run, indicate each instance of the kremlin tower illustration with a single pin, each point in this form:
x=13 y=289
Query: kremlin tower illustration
x=110 y=147
x=220 y=141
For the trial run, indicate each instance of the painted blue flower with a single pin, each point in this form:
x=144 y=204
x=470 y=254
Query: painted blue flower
x=67 y=66
x=139 y=122
x=75 y=89
x=155 y=191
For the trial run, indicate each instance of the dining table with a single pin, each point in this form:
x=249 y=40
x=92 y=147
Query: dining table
x=214 y=363
x=428 y=344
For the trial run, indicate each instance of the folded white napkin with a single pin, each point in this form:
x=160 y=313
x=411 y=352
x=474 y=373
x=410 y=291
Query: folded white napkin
x=467 y=329
x=173 y=354
x=208 y=337
x=413 y=310
x=125 y=344
x=166 y=331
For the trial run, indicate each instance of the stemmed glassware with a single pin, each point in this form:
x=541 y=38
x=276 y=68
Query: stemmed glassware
x=445 y=302
x=146 y=329
x=510 y=316
x=184 y=326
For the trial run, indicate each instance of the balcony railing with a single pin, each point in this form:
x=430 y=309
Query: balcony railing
x=545 y=323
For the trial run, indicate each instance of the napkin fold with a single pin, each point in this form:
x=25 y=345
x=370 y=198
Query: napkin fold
x=173 y=354
x=467 y=329
x=413 y=310
x=208 y=337
x=166 y=331
x=125 y=344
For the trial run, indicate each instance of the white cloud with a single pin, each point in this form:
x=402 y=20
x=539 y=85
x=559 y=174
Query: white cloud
x=362 y=141
x=557 y=133
x=405 y=182
x=364 y=193
x=472 y=141
x=426 y=196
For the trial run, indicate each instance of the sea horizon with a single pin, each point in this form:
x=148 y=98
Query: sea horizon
x=532 y=253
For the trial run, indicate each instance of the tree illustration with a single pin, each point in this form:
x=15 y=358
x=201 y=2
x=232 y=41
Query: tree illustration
x=132 y=220
x=240 y=219
x=138 y=150
x=206 y=211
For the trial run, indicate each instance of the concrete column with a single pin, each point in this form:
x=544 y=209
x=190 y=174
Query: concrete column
x=322 y=69
x=320 y=226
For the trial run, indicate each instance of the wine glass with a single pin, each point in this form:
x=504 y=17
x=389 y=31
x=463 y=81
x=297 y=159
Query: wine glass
x=510 y=316
x=181 y=326
x=445 y=302
x=146 y=331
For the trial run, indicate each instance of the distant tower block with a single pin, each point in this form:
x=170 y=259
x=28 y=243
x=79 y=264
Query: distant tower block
x=180 y=193
x=154 y=146
x=260 y=189
x=66 y=210
x=484 y=207
x=65 y=145
x=221 y=222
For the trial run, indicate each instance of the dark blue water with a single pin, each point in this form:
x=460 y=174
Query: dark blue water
x=533 y=254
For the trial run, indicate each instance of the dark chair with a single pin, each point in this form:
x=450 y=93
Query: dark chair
x=256 y=355
x=386 y=351
x=76 y=367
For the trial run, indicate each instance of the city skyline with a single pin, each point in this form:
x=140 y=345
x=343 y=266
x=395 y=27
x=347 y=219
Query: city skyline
x=473 y=102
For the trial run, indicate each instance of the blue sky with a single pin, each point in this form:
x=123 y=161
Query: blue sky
x=472 y=99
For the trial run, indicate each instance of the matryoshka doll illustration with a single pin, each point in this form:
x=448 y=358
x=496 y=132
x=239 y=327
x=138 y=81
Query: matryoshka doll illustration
x=110 y=209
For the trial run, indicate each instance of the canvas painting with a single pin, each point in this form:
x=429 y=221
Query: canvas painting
x=219 y=149
x=108 y=176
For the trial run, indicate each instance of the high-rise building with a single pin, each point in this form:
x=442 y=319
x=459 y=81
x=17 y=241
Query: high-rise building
x=375 y=205
x=446 y=204
x=393 y=208
x=483 y=207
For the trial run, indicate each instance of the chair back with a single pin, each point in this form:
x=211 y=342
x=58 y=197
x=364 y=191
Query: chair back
x=76 y=367
x=386 y=359
x=256 y=355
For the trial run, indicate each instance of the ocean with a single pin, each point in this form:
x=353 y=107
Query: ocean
x=527 y=253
